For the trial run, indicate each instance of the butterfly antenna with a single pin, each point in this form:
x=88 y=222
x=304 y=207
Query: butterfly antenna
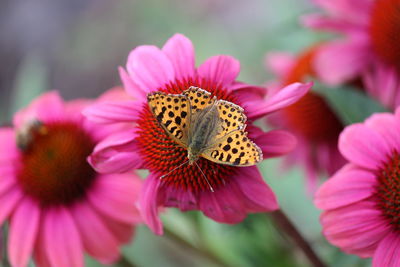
x=168 y=173
x=205 y=177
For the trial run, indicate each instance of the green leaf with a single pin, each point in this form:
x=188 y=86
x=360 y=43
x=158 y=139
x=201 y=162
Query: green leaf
x=351 y=105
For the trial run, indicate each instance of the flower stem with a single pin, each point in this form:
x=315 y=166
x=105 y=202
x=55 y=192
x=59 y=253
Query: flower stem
x=124 y=262
x=285 y=224
x=199 y=251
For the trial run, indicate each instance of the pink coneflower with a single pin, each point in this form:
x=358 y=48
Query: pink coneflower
x=371 y=29
x=382 y=82
x=237 y=190
x=315 y=125
x=59 y=207
x=361 y=202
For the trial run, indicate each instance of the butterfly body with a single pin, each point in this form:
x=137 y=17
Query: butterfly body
x=203 y=129
x=205 y=126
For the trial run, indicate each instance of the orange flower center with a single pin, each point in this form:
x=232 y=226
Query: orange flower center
x=161 y=154
x=311 y=116
x=388 y=190
x=54 y=168
x=385 y=30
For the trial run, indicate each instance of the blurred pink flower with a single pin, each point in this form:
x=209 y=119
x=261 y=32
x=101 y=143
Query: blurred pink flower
x=238 y=191
x=371 y=29
x=315 y=125
x=382 y=82
x=361 y=202
x=58 y=206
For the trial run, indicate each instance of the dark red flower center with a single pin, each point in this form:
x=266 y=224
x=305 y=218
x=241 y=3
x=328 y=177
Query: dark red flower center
x=385 y=29
x=54 y=169
x=388 y=190
x=161 y=154
x=311 y=116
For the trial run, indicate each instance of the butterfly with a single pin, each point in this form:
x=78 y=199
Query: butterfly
x=205 y=126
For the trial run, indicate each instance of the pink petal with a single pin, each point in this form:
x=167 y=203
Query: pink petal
x=248 y=94
x=345 y=187
x=220 y=69
x=276 y=143
x=348 y=228
x=8 y=202
x=179 y=198
x=40 y=255
x=225 y=205
x=280 y=63
x=282 y=98
x=131 y=87
x=116 y=153
x=387 y=126
x=245 y=193
x=357 y=11
x=23 y=231
x=180 y=52
x=114 y=94
x=123 y=232
x=62 y=241
x=47 y=107
x=112 y=112
x=383 y=83
x=92 y=230
x=259 y=195
x=148 y=204
x=322 y=22
x=363 y=146
x=150 y=68
x=115 y=196
x=388 y=252
x=8 y=147
x=341 y=61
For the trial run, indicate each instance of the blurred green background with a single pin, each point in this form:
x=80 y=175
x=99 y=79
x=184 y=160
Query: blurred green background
x=75 y=46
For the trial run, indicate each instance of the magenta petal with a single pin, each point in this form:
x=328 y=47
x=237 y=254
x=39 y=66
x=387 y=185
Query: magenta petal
x=221 y=69
x=257 y=192
x=47 y=107
x=177 y=197
x=180 y=51
x=363 y=146
x=116 y=153
x=282 y=98
x=341 y=61
x=149 y=205
x=383 y=83
x=23 y=230
x=150 y=68
x=280 y=63
x=61 y=237
x=115 y=196
x=8 y=201
x=348 y=228
x=92 y=230
x=223 y=205
x=387 y=126
x=245 y=193
x=276 y=143
x=345 y=187
x=112 y=112
x=8 y=148
x=40 y=255
x=123 y=232
x=130 y=87
x=322 y=22
x=356 y=11
x=388 y=252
